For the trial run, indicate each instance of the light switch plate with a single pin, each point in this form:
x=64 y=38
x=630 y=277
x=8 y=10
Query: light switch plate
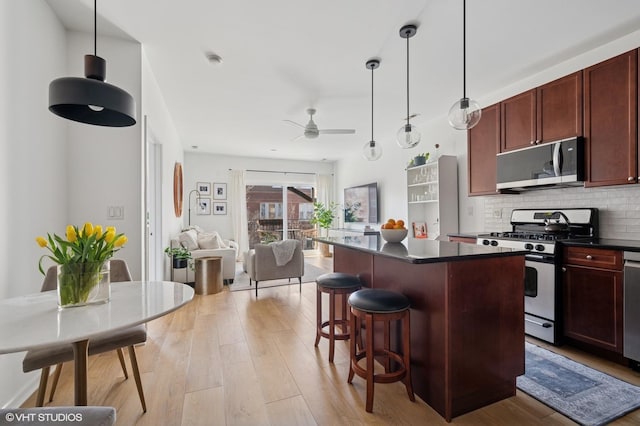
x=115 y=212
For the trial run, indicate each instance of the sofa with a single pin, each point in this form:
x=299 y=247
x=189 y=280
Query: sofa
x=203 y=244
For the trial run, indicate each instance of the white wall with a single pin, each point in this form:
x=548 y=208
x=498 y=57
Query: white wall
x=160 y=125
x=32 y=159
x=619 y=211
x=105 y=163
x=215 y=169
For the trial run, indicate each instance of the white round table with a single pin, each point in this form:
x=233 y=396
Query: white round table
x=33 y=321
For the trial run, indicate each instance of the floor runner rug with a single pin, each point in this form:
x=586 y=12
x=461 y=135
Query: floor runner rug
x=583 y=394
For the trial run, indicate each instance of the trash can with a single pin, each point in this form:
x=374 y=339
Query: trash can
x=208 y=275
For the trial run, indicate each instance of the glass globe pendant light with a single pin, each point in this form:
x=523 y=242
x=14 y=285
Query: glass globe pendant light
x=465 y=113
x=371 y=150
x=408 y=135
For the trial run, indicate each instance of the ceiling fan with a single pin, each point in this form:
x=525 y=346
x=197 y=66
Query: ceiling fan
x=311 y=130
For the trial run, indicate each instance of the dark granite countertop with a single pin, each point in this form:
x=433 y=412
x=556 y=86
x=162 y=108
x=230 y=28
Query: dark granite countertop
x=465 y=234
x=605 y=243
x=418 y=250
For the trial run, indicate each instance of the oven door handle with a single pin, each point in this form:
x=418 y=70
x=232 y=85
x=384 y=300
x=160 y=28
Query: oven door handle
x=541 y=324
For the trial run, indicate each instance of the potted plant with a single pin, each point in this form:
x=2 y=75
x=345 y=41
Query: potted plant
x=323 y=216
x=420 y=159
x=179 y=255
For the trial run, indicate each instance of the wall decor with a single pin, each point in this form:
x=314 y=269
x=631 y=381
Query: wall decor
x=177 y=189
x=219 y=208
x=220 y=191
x=204 y=205
x=204 y=188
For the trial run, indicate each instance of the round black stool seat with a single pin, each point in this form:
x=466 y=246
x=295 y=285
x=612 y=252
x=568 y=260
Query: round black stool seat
x=383 y=306
x=340 y=285
x=379 y=301
x=338 y=280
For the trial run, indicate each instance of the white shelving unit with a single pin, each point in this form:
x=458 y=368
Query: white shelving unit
x=432 y=196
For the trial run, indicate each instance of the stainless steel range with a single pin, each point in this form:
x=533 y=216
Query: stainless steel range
x=538 y=230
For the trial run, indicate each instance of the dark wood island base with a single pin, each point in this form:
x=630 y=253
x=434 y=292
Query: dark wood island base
x=467 y=320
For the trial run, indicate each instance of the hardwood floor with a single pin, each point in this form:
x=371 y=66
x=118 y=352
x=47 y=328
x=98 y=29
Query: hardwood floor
x=229 y=359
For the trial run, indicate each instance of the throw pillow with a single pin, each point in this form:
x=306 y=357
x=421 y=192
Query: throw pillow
x=208 y=241
x=195 y=228
x=189 y=239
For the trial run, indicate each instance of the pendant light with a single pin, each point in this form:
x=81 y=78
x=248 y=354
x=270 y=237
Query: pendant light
x=91 y=100
x=408 y=135
x=465 y=113
x=371 y=150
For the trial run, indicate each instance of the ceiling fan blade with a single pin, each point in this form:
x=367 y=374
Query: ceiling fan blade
x=294 y=123
x=297 y=137
x=337 y=131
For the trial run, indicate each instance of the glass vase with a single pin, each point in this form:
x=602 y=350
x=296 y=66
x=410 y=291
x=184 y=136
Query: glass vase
x=82 y=284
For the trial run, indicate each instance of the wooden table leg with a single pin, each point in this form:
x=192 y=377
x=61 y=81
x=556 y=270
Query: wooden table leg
x=80 y=355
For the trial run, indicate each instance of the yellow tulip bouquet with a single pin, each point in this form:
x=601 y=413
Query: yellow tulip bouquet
x=81 y=257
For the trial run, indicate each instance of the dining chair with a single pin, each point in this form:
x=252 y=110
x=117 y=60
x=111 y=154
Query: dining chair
x=44 y=358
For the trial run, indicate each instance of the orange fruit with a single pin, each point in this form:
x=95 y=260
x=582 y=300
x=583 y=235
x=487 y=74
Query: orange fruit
x=398 y=226
x=400 y=222
x=383 y=226
x=391 y=221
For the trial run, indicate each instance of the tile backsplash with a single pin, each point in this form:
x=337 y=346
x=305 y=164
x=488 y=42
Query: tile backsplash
x=618 y=206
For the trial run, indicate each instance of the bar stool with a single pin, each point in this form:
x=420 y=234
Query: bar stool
x=371 y=305
x=334 y=283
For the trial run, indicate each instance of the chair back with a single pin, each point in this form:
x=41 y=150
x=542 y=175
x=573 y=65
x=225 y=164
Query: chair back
x=118 y=271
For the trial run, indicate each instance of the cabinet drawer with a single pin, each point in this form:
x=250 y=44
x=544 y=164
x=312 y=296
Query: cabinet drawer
x=468 y=240
x=595 y=258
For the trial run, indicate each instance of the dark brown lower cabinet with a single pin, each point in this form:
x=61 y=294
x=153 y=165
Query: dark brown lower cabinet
x=593 y=304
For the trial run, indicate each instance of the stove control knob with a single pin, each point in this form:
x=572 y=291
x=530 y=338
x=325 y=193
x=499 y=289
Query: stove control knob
x=528 y=246
x=485 y=242
x=494 y=243
x=539 y=247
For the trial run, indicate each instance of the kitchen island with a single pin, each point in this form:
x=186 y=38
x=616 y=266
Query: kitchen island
x=467 y=313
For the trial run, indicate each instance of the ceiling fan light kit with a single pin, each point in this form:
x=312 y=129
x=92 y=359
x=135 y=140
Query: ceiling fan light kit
x=371 y=150
x=465 y=113
x=408 y=135
x=91 y=100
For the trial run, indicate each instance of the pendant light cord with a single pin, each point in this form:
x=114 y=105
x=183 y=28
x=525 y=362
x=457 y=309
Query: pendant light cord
x=464 y=48
x=408 y=80
x=372 y=68
x=95 y=27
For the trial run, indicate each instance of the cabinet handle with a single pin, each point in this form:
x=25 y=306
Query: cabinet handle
x=532 y=142
x=537 y=141
x=631 y=179
x=589 y=257
x=564 y=269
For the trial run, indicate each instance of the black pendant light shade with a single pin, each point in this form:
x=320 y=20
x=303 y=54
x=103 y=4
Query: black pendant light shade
x=371 y=150
x=91 y=100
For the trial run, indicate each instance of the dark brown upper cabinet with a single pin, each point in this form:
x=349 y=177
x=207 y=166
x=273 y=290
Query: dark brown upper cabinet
x=611 y=121
x=560 y=108
x=518 y=121
x=483 y=143
x=548 y=113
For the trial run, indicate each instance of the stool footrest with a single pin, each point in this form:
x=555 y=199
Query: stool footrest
x=387 y=377
x=336 y=336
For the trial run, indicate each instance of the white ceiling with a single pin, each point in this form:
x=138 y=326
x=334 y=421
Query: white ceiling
x=283 y=56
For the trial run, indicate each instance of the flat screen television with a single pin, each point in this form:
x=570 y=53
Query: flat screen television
x=361 y=204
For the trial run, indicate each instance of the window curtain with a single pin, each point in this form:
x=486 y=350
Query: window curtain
x=324 y=185
x=238 y=211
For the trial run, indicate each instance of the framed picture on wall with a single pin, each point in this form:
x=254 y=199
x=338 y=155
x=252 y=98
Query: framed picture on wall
x=219 y=208
x=219 y=191
x=204 y=206
x=204 y=188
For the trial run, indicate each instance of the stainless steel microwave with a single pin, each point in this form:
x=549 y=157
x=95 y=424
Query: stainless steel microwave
x=550 y=164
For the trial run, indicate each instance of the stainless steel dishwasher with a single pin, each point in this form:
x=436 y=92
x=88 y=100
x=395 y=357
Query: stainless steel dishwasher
x=632 y=308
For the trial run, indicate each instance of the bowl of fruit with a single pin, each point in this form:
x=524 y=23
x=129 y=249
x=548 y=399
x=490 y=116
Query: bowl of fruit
x=393 y=231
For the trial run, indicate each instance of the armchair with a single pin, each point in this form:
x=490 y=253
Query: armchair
x=262 y=266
